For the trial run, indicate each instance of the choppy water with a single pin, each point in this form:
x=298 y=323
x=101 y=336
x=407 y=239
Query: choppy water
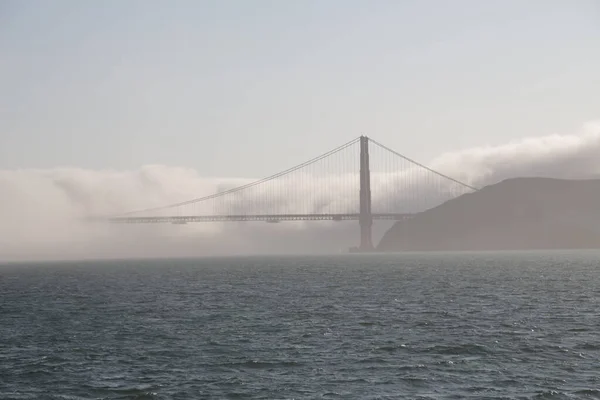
x=364 y=327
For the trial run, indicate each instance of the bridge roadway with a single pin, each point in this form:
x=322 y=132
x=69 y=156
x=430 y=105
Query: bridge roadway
x=272 y=218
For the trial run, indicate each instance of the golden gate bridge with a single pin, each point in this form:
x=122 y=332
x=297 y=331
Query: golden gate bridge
x=390 y=186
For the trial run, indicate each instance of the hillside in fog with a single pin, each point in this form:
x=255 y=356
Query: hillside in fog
x=516 y=214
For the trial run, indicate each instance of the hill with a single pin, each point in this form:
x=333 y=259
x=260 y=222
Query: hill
x=516 y=214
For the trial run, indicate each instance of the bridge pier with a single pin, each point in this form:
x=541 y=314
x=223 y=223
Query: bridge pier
x=365 y=218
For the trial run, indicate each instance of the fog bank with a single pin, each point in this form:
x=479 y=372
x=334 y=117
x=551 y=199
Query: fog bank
x=42 y=210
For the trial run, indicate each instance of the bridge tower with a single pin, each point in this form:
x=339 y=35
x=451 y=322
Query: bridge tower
x=365 y=218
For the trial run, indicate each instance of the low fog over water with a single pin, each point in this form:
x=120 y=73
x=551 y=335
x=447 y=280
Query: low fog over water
x=42 y=210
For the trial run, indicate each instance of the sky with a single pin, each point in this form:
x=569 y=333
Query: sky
x=114 y=106
x=236 y=88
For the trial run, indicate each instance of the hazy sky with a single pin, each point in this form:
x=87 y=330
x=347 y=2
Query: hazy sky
x=246 y=88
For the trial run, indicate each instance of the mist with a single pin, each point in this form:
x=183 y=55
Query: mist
x=43 y=211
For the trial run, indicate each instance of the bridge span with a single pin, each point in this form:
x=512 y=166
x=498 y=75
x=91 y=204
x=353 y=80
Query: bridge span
x=389 y=186
x=254 y=218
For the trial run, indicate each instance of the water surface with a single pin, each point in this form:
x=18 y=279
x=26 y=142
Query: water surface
x=429 y=326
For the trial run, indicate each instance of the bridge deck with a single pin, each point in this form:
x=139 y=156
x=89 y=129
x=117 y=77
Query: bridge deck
x=258 y=218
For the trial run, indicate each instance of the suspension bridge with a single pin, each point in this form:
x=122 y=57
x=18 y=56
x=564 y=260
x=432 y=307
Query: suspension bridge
x=361 y=180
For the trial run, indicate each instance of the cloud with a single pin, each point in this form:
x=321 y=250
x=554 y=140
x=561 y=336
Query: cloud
x=560 y=156
x=42 y=211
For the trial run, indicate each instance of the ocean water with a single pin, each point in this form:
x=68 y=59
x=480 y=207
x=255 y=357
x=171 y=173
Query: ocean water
x=415 y=326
